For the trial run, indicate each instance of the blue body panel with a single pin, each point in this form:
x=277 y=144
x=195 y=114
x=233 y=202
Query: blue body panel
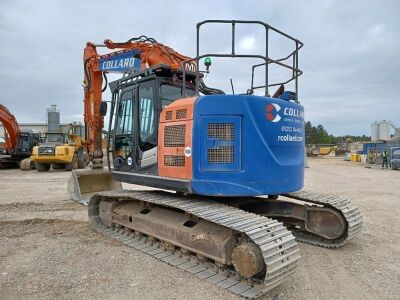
x=247 y=145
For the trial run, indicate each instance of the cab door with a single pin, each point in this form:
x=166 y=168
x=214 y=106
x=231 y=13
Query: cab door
x=148 y=116
x=136 y=129
x=124 y=131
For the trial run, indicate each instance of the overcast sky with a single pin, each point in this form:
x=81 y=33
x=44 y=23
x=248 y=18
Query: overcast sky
x=351 y=57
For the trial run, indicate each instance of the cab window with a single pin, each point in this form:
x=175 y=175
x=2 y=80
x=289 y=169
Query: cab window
x=170 y=93
x=125 y=114
x=147 y=116
x=124 y=125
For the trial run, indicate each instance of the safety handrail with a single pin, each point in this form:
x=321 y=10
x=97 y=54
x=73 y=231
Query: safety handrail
x=295 y=66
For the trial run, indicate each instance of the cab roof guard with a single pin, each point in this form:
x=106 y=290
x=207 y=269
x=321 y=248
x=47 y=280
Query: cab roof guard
x=296 y=72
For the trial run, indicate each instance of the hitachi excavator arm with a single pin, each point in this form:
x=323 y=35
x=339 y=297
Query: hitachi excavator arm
x=11 y=128
x=12 y=137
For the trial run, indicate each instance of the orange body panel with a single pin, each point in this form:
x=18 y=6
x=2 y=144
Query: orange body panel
x=172 y=159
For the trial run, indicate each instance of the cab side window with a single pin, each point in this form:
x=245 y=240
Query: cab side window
x=125 y=116
x=124 y=125
x=147 y=117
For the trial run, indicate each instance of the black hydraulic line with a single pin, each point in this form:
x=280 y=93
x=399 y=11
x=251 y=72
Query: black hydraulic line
x=87 y=74
x=105 y=84
x=142 y=38
x=204 y=89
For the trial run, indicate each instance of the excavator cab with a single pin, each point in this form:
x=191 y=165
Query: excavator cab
x=135 y=118
x=26 y=141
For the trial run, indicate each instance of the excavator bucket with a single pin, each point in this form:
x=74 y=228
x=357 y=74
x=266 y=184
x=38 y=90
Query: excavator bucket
x=85 y=183
x=27 y=164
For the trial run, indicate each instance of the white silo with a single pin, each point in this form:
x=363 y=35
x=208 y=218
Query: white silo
x=53 y=119
x=384 y=130
x=374 y=131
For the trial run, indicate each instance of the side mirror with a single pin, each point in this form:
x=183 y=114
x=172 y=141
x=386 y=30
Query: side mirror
x=103 y=108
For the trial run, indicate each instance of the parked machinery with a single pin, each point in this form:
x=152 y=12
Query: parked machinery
x=17 y=144
x=60 y=150
x=234 y=162
x=394 y=158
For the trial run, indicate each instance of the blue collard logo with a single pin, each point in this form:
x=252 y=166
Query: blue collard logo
x=121 y=63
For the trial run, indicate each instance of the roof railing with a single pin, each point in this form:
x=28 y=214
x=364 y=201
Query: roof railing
x=296 y=72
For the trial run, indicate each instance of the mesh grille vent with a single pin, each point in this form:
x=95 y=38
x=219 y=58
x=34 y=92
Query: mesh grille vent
x=168 y=115
x=221 y=155
x=181 y=113
x=43 y=150
x=174 y=136
x=174 y=160
x=222 y=131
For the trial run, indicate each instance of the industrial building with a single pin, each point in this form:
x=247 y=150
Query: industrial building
x=42 y=127
x=381 y=131
x=52 y=124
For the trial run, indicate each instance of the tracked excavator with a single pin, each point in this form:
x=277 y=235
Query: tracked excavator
x=229 y=169
x=18 y=144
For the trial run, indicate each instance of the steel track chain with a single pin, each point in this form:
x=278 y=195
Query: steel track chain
x=350 y=212
x=277 y=244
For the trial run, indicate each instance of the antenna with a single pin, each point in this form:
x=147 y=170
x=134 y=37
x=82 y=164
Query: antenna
x=233 y=90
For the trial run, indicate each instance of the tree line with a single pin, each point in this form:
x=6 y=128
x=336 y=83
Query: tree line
x=318 y=135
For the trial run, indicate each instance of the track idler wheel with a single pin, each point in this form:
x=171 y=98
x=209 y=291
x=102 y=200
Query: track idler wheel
x=248 y=260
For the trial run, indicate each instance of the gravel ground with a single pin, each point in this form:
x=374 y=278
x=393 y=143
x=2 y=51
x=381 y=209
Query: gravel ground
x=47 y=249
